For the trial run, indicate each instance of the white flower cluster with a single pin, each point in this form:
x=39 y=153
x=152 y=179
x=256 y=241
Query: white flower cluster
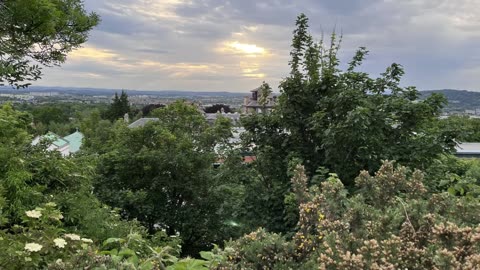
x=86 y=240
x=33 y=213
x=33 y=247
x=60 y=242
x=72 y=236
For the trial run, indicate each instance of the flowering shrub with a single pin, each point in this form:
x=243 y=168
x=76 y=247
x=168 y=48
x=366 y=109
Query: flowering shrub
x=41 y=241
x=390 y=221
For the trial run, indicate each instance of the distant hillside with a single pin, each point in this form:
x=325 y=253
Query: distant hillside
x=458 y=100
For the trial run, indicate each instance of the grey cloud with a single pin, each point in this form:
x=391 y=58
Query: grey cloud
x=425 y=36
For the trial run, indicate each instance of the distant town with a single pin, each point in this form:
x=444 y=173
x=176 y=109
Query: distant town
x=460 y=102
x=45 y=95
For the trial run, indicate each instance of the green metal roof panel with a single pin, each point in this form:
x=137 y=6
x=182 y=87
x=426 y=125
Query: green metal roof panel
x=75 y=140
x=55 y=139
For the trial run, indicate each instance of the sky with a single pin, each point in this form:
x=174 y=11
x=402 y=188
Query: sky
x=235 y=45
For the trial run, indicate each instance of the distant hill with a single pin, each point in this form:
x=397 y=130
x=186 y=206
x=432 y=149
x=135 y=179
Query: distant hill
x=458 y=100
x=102 y=91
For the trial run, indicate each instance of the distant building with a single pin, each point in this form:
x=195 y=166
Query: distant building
x=468 y=150
x=251 y=105
x=66 y=146
x=212 y=117
x=142 y=122
x=44 y=94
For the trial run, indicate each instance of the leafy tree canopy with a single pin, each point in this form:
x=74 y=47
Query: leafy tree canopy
x=119 y=107
x=39 y=32
x=218 y=108
x=339 y=119
x=347 y=121
x=161 y=174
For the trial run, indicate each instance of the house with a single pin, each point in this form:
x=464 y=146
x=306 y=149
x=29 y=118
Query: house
x=65 y=145
x=251 y=104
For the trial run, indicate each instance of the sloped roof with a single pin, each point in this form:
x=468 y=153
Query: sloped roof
x=75 y=140
x=255 y=104
x=213 y=116
x=56 y=140
x=142 y=122
x=468 y=148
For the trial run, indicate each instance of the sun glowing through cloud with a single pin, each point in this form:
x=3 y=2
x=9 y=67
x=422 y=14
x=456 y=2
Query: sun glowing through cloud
x=92 y=53
x=244 y=48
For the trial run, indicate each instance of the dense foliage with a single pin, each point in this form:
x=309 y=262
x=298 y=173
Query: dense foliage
x=44 y=32
x=391 y=221
x=218 y=108
x=161 y=174
x=343 y=121
x=466 y=129
x=119 y=107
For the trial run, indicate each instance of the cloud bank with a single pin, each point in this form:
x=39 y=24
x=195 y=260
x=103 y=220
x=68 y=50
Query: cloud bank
x=222 y=45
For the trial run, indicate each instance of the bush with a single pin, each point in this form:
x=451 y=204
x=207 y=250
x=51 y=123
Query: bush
x=390 y=221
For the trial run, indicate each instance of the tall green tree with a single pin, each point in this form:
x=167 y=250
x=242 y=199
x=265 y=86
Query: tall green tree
x=161 y=174
x=119 y=107
x=346 y=120
x=39 y=31
x=342 y=120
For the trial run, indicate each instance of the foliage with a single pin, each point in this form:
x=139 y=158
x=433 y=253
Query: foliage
x=161 y=174
x=344 y=121
x=119 y=107
x=42 y=32
x=460 y=177
x=49 y=114
x=41 y=243
x=31 y=176
x=390 y=222
x=466 y=128
x=149 y=108
x=264 y=92
x=97 y=133
x=218 y=108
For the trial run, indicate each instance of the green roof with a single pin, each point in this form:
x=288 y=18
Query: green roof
x=55 y=139
x=75 y=140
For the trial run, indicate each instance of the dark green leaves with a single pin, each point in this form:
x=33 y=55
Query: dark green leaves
x=39 y=31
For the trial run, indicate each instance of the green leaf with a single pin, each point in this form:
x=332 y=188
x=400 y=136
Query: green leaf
x=126 y=251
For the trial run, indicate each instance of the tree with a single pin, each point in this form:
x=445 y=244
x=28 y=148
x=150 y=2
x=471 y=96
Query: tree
x=218 y=108
x=41 y=32
x=465 y=128
x=149 y=108
x=48 y=114
x=342 y=120
x=161 y=174
x=347 y=121
x=265 y=92
x=119 y=107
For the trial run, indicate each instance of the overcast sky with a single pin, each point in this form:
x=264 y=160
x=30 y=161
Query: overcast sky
x=220 y=45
